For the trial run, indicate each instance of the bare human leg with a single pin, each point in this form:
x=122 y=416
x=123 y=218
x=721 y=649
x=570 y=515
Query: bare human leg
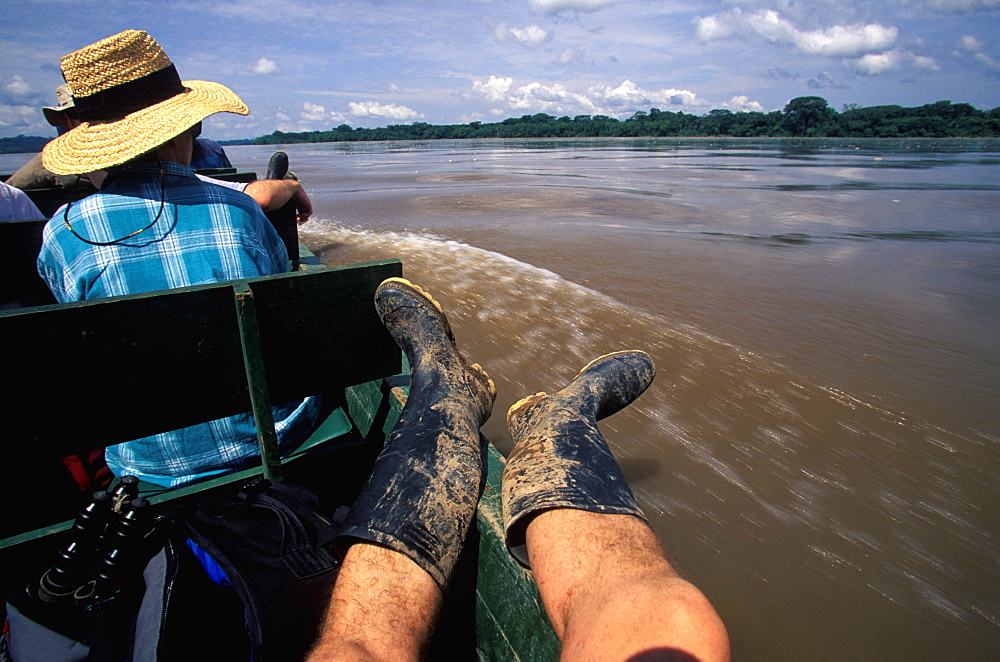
x=408 y=524
x=570 y=516
x=611 y=594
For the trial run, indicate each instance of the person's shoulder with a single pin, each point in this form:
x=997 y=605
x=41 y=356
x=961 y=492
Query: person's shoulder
x=17 y=206
x=10 y=191
x=31 y=175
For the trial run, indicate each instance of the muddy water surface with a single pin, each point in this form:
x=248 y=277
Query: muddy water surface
x=819 y=449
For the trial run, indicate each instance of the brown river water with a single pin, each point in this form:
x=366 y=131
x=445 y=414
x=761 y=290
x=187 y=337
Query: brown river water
x=819 y=450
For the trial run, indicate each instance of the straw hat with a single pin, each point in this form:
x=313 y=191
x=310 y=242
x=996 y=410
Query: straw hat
x=130 y=99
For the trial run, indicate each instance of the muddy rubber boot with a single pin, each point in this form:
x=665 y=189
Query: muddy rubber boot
x=422 y=494
x=560 y=458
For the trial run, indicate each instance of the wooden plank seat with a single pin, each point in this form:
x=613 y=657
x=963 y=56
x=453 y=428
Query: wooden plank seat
x=95 y=373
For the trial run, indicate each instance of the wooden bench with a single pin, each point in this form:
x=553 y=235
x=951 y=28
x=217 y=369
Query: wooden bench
x=95 y=373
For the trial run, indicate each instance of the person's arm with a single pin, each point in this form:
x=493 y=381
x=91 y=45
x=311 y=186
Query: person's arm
x=15 y=205
x=273 y=194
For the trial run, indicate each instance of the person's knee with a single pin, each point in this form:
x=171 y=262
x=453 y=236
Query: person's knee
x=664 y=618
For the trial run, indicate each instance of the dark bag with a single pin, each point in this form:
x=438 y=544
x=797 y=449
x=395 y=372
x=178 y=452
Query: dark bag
x=255 y=585
x=276 y=548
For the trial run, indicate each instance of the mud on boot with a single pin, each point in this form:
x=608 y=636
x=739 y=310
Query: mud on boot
x=560 y=458
x=419 y=326
x=421 y=496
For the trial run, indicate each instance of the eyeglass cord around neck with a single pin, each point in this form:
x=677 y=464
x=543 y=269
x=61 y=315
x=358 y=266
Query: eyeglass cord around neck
x=128 y=236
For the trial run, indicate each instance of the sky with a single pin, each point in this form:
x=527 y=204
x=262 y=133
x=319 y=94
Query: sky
x=304 y=65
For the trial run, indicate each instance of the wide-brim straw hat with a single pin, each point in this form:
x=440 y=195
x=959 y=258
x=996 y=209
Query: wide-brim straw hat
x=131 y=100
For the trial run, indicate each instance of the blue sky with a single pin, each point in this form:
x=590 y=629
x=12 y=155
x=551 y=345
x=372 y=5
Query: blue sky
x=307 y=65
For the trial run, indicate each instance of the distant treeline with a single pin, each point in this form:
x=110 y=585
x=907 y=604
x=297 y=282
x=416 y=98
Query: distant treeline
x=803 y=116
x=22 y=144
x=31 y=144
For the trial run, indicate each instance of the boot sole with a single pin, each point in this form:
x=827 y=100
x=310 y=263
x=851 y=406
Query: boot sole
x=420 y=294
x=476 y=371
x=277 y=165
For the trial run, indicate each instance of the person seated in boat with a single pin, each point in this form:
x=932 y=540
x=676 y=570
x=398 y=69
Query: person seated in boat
x=34 y=175
x=569 y=515
x=271 y=193
x=208 y=155
x=15 y=205
x=154 y=225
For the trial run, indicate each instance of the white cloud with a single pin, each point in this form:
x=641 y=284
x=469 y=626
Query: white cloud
x=847 y=40
x=313 y=116
x=710 y=28
x=556 y=6
x=532 y=35
x=265 y=67
x=389 y=110
x=312 y=112
x=970 y=43
x=990 y=62
x=20 y=116
x=471 y=117
x=19 y=107
x=555 y=97
x=879 y=63
x=838 y=40
x=961 y=6
x=621 y=100
x=630 y=95
x=570 y=56
x=18 y=88
x=495 y=89
x=285 y=122
x=892 y=61
x=742 y=103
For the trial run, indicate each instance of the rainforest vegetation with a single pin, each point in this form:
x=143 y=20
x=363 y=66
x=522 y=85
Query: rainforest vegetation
x=801 y=117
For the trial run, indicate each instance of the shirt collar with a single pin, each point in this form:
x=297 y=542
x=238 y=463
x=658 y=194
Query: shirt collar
x=143 y=170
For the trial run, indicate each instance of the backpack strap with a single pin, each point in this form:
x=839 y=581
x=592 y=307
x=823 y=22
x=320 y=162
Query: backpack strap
x=275 y=545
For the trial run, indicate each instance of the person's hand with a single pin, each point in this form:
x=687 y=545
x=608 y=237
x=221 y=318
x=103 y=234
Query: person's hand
x=303 y=206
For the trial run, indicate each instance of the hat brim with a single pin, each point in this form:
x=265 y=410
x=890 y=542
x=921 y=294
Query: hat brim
x=100 y=145
x=56 y=115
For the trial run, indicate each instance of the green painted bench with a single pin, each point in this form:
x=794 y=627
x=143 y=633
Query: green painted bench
x=96 y=373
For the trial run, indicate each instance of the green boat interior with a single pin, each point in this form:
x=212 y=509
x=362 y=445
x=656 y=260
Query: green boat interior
x=95 y=373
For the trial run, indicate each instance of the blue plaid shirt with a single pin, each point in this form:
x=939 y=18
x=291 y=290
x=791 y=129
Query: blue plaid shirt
x=205 y=234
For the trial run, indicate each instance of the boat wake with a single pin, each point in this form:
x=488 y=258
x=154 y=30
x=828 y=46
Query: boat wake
x=728 y=449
